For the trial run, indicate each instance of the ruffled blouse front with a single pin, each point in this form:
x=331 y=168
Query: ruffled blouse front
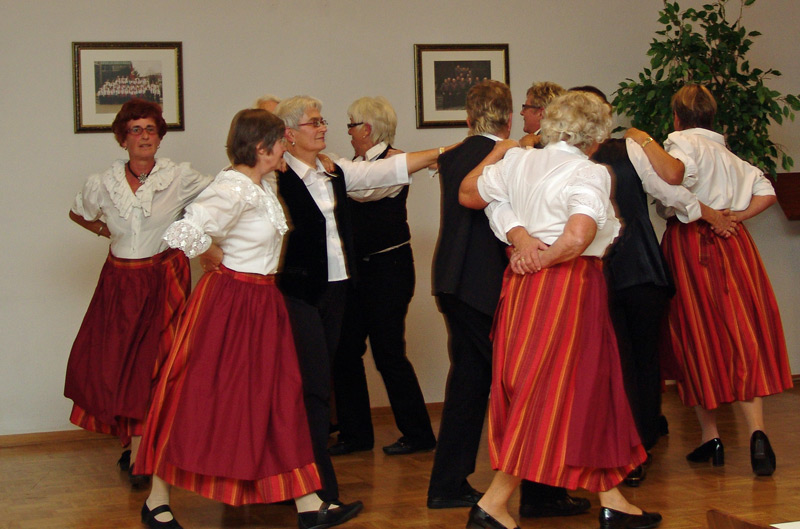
x=244 y=219
x=137 y=220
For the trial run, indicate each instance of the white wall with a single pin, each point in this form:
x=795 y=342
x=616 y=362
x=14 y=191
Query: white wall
x=335 y=50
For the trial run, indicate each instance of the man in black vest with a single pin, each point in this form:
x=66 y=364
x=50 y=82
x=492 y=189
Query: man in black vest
x=378 y=304
x=467 y=277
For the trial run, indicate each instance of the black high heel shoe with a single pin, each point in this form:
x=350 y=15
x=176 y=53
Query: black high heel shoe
x=712 y=450
x=762 y=458
x=480 y=519
x=611 y=519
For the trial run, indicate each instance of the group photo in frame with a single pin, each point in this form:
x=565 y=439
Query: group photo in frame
x=107 y=74
x=445 y=72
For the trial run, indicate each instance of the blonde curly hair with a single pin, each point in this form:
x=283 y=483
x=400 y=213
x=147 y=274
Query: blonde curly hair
x=577 y=118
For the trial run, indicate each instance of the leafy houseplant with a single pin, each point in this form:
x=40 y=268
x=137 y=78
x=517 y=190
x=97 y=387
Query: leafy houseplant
x=712 y=55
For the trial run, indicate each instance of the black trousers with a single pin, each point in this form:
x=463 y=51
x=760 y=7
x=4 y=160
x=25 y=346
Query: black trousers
x=377 y=308
x=638 y=313
x=465 y=401
x=316 y=331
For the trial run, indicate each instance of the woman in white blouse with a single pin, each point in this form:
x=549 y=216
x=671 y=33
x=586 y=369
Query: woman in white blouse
x=131 y=320
x=558 y=412
x=725 y=327
x=227 y=419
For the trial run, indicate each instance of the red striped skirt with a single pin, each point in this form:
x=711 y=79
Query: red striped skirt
x=725 y=329
x=558 y=412
x=228 y=419
x=125 y=335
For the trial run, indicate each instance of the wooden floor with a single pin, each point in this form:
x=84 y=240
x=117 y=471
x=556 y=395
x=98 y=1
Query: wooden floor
x=74 y=483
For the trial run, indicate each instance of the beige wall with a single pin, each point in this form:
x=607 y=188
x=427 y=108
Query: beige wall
x=335 y=50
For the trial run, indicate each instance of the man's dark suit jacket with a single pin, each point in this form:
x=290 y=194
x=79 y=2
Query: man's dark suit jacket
x=469 y=260
x=304 y=274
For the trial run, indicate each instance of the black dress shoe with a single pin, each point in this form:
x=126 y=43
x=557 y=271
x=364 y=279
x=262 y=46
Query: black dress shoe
x=138 y=481
x=124 y=461
x=328 y=515
x=762 y=458
x=403 y=446
x=149 y=518
x=480 y=519
x=346 y=447
x=637 y=475
x=712 y=450
x=564 y=506
x=467 y=499
x=611 y=519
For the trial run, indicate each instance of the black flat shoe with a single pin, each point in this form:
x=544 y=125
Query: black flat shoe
x=762 y=458
x=328 y=515
x=138 y=481
x=403 y=446
x=712 y=450
x=637 y=475
x=467 y=499
x=611 y=519
x=480 y=519
x=124 y=461
x=565 y=506
x=346 y=447
x=149 y=518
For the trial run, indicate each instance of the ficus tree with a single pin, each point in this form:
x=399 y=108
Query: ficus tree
x=704 y=46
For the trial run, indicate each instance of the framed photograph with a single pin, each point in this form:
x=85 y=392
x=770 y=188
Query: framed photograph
x=107 y=74
x=445 y=72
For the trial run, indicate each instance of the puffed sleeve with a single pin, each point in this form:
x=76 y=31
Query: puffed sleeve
x=493 y=187
x=192 y=182
x=87 y=201
x=681 y=149
x=209 y=217
x=587 y=193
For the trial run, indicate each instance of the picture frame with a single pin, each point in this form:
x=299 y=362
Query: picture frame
x=107 y=74
x=445 y=72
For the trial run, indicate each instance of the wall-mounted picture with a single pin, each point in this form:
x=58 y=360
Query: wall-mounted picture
x=107 y=74
x=444 y=74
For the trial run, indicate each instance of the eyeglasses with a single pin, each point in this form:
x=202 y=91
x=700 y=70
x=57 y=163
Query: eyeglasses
x=137 y=130
x=532 y=107
x=316 y=123
x=351 y=125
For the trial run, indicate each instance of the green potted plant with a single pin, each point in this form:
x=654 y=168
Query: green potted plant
x=702 y=46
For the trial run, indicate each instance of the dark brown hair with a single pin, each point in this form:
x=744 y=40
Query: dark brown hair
x=137 y=109
x=252 y=128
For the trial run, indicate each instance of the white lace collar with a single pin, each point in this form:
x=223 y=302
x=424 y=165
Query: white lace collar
x=123 y=197
x=262 y=198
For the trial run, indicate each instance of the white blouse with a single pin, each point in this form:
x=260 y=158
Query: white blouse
x=718 y=178
x=245 y=220
x=544 y=187
x=137 y=221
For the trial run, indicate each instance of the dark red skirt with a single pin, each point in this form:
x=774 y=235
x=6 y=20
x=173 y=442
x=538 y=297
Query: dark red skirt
x=228 y=419
x=558 y=411
x=126 y=332
x=725 y=335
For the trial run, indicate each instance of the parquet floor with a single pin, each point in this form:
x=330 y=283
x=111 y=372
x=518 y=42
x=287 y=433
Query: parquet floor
x=71 y=482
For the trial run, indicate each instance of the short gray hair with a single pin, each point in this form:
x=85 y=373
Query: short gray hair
x=378 y=113
x=291 y=110
x=578 y=118
x=266 y=98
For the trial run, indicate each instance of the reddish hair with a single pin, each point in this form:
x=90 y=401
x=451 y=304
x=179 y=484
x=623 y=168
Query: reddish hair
x=137 y=109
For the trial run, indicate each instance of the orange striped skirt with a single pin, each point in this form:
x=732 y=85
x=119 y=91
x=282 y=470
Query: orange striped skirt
x=228 y=419
x=725 y=329
x=558 y=412
x=125 y=335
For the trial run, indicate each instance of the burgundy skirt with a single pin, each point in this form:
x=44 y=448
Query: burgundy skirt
x=558 y=412
x=228 y=419
x=126 y=332
x=725 y=332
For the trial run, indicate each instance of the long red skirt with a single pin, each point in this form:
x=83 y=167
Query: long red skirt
x=725 y=328
x=558 y=412
x=126 y=333
x=227 y=419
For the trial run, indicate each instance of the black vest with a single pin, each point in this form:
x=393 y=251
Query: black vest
x=380 y=224
x=304 y=271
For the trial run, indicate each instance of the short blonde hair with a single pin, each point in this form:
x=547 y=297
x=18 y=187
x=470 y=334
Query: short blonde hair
x=262 y=101
x=577 y=118
x=378 y=113
x=489 y=107
x=695 y=107
x=291 y=110
x=542 y=93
